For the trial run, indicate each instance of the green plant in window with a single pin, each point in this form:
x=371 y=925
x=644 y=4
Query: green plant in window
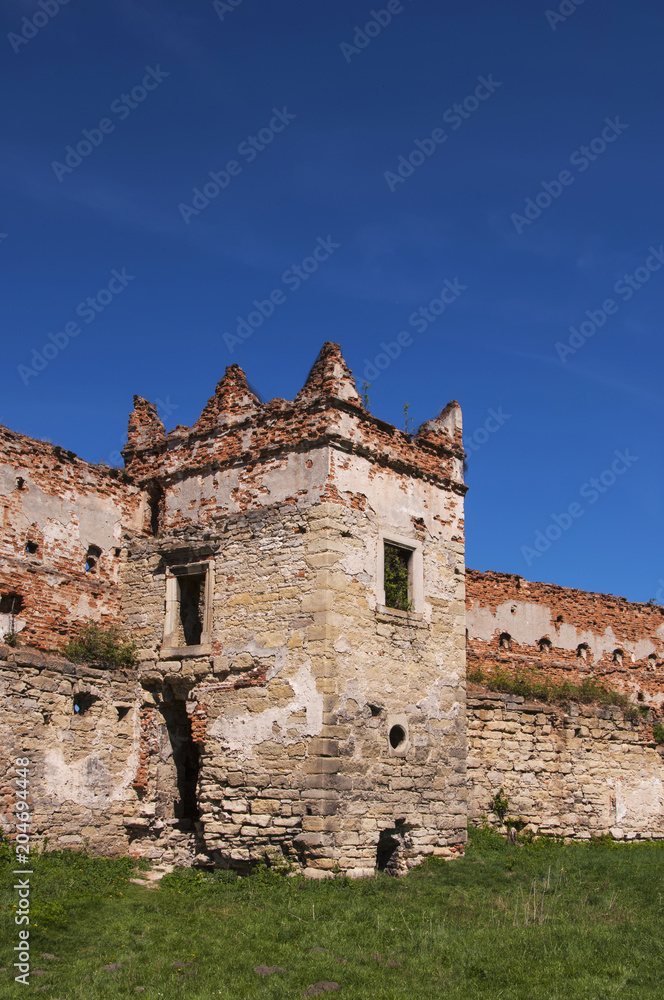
x=396 y=578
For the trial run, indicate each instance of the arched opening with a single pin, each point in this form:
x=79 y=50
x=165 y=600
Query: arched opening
x=505 y=640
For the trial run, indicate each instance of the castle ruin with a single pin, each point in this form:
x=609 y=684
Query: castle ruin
x=293 y=574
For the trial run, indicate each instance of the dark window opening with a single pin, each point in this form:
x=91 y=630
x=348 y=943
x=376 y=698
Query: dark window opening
x=186 y=758
x=618 y=655
x=11 y=604
x=375 y=710
x=192 y=609
x=397 y=577
x=559 y=618
x=92 y=559
x=640 y=696
x=397 y=736
x=116 y=553
x=156 y=508
x=122 y=711
x=20 y=483
x=83 y=702
x=505 y=640
x=31 y=547
x=387 y=853
x=544 y=645
x=582 y=651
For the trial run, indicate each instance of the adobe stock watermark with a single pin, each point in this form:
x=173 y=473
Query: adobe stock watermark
x=420 y=320
x=453 y=116
x=590 y=491
x=122 y=106
x=249 y=148
x=87 y=310
x=565 y=10
x=223 y=7
x=625 y=287
x=495 y=420
x=292 y=278
x=31 y=26
x=580 y=158
x=379 y=20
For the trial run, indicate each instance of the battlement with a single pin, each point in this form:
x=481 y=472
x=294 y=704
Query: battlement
x=235 y=428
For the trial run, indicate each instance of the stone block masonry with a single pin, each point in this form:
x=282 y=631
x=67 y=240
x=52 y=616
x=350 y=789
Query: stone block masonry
x=580 y=773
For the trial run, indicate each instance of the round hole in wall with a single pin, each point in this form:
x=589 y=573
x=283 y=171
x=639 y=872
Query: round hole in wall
x=397 y=736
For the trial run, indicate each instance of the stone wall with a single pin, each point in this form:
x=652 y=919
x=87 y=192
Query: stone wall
x=579 y=773
x=565 y=635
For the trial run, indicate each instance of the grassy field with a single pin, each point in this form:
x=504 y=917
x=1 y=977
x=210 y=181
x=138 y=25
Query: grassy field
x=542 y=920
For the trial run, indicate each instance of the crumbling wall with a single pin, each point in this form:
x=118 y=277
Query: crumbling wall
x=583 y=772
x=59 y=516
x=565 y=634
x=81 y=762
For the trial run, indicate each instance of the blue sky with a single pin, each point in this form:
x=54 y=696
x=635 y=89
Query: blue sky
x=342 y=112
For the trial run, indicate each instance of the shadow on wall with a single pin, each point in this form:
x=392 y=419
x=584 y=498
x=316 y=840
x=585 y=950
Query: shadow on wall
x=186 y=758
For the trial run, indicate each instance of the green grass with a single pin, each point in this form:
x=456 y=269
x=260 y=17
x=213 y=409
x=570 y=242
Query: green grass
x=542 y=920
x=539 y=689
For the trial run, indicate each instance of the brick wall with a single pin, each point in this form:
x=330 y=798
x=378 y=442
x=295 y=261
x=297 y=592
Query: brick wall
x=565 y=634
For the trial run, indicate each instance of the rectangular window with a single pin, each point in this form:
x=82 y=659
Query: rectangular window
x=189 y=596
x=397 y=577
x=400 y=574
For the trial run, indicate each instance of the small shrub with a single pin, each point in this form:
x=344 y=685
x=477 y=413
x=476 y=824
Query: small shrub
x=10 y=639
x=658 y=732
x=95 y=644
x=499 y=805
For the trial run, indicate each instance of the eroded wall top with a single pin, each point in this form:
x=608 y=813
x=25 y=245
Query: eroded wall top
x=235 y=428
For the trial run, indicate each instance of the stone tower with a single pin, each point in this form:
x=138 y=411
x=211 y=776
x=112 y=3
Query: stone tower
x=298 y=590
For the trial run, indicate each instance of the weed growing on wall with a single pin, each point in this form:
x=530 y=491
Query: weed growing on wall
x=103 y=646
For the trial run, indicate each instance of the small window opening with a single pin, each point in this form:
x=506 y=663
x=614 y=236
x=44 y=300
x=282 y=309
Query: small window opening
x=116 y=553
x=11 y=604
x=375 y=710
x=640 y=696
x=20 y=483
x=397 y=736
x=122 y=711
x=83 y=702
x=505 y=640
x=156 y=508
x=192 y=609
x=559 y=619
x=92 y=559
x=544 y=645
x=397 y=577
x=582 y=651
x=618 y=655
x=31 y=547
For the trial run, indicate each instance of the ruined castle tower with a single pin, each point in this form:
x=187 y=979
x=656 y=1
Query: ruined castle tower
x=298 y=591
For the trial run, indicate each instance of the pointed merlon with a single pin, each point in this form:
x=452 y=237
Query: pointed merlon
x=145 y=427
x=445 y=430
x=329 y=377
x=232 y=402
